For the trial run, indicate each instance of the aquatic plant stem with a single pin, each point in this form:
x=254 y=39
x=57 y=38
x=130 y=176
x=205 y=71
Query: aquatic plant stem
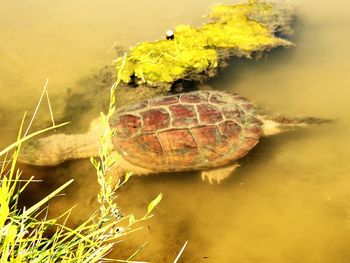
x=50 y=108
x=180 y=253
x=37 y=107
x=106 y=197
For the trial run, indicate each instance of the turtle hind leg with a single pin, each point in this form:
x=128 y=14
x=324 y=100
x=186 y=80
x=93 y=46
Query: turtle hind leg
x=218 y=174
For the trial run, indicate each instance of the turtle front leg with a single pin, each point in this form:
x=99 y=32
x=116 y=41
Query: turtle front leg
x=218 y=174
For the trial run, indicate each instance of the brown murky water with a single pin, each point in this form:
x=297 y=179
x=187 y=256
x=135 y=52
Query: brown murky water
x=290 y=199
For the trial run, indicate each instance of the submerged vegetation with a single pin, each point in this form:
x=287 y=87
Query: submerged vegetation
x=195 y=53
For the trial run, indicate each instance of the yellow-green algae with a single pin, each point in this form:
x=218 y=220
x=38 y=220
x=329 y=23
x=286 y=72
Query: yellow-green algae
x=233 y=29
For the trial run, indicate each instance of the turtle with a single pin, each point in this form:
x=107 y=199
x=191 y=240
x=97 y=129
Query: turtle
x=203 y=130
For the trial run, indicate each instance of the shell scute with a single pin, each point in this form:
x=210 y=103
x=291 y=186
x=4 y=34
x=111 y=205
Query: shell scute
x=232 y=113
x=155 y=119
x=174 y=139
x=150 y=146
x=231 y=130
x=254 y=131
x=128 y=125
x=183 y=115
x=209 y=114
x=198 y=97
x=164 y=101
x=219 y=98
x=211 y=144
x=141 y=149
x=206 y=135
x=179 y=146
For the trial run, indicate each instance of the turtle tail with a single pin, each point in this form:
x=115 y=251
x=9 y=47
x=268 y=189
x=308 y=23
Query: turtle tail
x=277 y=124
x=56 y=149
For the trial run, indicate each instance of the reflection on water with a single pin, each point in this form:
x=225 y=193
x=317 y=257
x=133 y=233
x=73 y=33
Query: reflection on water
x=290 y=199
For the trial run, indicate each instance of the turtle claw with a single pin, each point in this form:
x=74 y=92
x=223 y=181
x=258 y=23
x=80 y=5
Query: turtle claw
x=218 y=174
x=206 y=176
x=211 y=178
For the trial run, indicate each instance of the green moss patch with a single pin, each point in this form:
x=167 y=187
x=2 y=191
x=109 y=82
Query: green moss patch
x=239 y=29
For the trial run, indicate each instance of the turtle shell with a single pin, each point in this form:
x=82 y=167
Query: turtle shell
x=189 y=131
